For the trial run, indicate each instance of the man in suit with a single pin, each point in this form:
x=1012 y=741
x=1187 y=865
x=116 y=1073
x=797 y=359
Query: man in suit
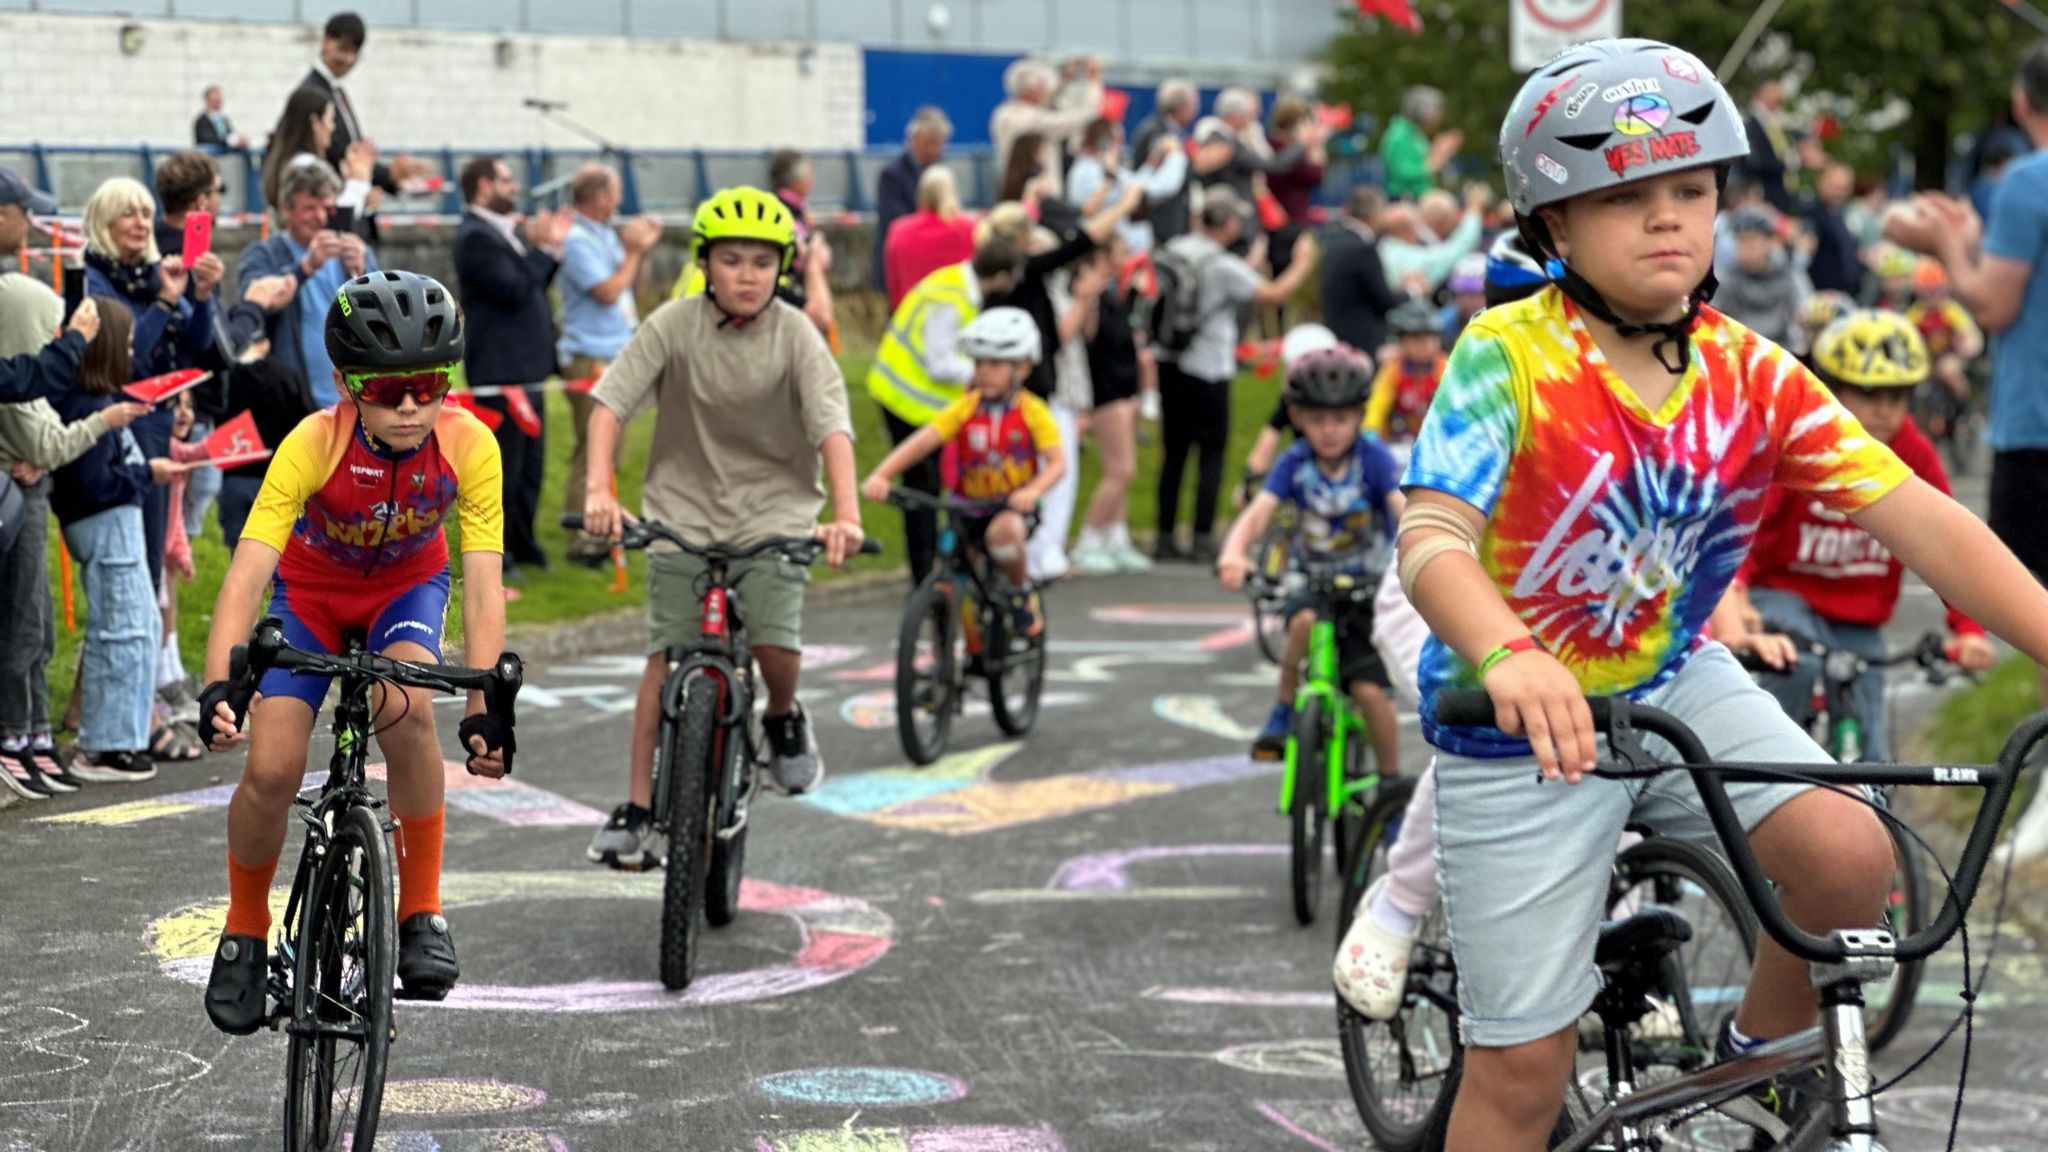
x=896 y=189
x=212 y=129
x=503 y=279
x=1355 y=292
x=341 y=46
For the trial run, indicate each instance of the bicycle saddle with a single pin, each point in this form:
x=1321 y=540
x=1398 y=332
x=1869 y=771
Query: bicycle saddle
x=1642 y=939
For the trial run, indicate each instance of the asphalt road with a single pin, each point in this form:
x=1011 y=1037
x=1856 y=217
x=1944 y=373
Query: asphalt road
x=1077 y=941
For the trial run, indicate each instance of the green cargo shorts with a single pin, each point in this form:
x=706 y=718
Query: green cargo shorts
x=768 y=593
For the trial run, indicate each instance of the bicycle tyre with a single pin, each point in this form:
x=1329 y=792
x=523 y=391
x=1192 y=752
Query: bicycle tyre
x=1906 y=915
x=927 y=608
x=1393 y=1102
x=1304 y=816
x=346 y=918
x=728 y=853
x=1018 y=669
x=689 y=854
x=1269 y=627
x=1691 y=880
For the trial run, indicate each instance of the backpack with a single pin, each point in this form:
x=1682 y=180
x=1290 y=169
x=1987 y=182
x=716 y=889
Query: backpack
x=1177 y=312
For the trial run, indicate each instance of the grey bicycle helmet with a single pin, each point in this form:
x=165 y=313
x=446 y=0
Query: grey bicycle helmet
x=1413 y=317
x=393 y=320
x=1002 y=334
x=1335 y=377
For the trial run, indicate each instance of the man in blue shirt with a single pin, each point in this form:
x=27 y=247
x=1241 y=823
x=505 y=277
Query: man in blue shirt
x=600 y=270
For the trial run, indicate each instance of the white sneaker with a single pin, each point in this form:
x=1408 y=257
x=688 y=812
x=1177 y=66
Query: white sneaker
x=1129 y=559
x=1095 y=560
x=1148 y=406
x=1371 y=969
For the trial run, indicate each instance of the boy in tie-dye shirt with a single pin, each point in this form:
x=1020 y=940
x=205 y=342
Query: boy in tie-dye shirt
x=1585 y=485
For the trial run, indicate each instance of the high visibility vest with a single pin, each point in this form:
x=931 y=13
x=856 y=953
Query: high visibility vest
x=690 y=283
x=898 y=380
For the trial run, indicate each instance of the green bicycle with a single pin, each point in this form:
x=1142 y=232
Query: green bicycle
x=1329 y=731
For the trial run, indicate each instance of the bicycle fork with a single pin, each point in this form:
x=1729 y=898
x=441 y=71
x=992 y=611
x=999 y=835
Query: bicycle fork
x=1849 y=1123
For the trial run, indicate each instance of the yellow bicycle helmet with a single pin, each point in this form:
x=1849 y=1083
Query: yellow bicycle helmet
x=744 y=214
x=1894 y=262
x=1871 y=349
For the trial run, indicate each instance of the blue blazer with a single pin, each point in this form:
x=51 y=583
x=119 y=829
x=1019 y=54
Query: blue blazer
x=509 y=324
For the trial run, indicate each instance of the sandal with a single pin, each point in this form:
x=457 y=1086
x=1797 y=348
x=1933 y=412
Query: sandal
x=1371 y=970
x=168 y=746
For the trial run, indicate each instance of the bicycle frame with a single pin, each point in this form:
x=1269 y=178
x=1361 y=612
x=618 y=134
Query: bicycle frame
x=1324 y=682
x=721 y=653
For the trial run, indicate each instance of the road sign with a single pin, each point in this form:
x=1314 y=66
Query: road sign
x=1540 y=29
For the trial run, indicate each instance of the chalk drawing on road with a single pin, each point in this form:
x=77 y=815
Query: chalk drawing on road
x=43 y=1047
x=955 y=798
x=1240 y=997
x=1183 y=615
x=876 y=711
x=862 y=1087
x=937 y=1138
x=837 y=936
x=470 y=1140
x=457 y=1096
x=1104 y=669
x=1308 y=1059
x=1328 y=1125
x=1990 y=1112
x=1203 y=714
x=1104 y=877
x=506 y=801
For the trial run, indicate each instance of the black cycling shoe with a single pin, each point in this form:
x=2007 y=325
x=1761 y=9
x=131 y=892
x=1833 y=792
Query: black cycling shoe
x=235 y=991
x=426 y=958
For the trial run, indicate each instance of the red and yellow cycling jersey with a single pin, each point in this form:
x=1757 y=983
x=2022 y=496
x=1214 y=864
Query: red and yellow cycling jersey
x=340 y=509
x=1947 y=327
x=992 y=453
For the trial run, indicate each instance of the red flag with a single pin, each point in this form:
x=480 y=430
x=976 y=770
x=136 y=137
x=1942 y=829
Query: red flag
x=1400 y=13
x=491 y=417
x=235 y=442
x=580 y=384
x=157 y=389
x=521 y=410
x=1115 y=102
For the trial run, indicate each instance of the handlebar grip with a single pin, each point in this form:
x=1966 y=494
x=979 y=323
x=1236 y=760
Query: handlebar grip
x=572 y=521
x=1464 y=708
x=871 y=547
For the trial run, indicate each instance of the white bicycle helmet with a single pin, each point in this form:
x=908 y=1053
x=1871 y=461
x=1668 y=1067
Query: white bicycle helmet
x=1303 y=339
x=1002 y=334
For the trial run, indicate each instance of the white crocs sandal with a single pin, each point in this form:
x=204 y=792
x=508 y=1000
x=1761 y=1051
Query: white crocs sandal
x=1371 y=969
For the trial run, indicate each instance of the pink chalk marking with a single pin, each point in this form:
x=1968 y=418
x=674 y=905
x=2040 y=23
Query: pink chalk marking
x=840 y=952
x=886 y=671
x=1293 y=1129
x=1172 y=614
x=1234 y=637
x=1110 y=871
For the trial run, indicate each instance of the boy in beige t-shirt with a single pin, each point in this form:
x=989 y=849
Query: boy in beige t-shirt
x=748 y=403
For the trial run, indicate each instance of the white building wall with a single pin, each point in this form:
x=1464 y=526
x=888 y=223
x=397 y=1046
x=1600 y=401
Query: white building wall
x=65 y=80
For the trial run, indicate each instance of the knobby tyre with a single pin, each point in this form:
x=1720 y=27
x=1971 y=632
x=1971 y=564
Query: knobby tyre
x=1304 y=813
x=925 y=673
x=690 y=765
x=728 y=853
x=342 y=980
x=1396 y=1068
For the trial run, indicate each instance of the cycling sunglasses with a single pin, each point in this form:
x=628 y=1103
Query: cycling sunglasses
x=389 y=389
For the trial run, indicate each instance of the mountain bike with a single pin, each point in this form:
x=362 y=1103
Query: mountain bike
x=707 y=758
x=1328 y=733
x=1619 y=1112
x=1836 y=721
x=957 y=624
x=331 y=974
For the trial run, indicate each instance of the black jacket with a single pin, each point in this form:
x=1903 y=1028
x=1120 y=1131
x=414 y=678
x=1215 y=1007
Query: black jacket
x=511 y=328
x=204 y=134
x=895 y=195
x=345 y=134
x=1356 y=295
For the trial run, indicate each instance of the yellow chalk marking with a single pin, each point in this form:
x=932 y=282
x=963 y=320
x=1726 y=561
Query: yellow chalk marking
x=448 y=1096
x=988 y=806
x=120 y=815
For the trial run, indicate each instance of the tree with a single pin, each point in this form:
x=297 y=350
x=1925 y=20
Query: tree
x=1951 y=62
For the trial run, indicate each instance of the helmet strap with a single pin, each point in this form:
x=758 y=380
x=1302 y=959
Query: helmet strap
x=1673 y=345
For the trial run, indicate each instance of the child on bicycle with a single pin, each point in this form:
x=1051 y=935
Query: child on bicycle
x=1953 y=339
x=748 y=402
x=1006 y=448
x=1579 y=498
x=1815 y=572
x=1344 y=486
x=1406 y=383
x=1299 y=341
x=347 y=534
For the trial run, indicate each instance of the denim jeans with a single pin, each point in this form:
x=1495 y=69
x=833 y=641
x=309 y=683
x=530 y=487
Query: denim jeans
x=123 y=631
x=28 y=634
x=237 y=497
x=1794 y=689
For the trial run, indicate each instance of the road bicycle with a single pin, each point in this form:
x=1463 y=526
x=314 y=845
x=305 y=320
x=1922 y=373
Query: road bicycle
x=1709 y=1106
x=331 y=974
x=708 y=759
x=957 y=625
x=1329 y=733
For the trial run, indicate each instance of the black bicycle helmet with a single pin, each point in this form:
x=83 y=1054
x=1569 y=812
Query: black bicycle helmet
x=1339 y=377
x=1413 y=317
x=393 y=320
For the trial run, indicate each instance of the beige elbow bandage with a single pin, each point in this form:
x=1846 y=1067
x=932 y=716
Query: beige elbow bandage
x=1460 y=538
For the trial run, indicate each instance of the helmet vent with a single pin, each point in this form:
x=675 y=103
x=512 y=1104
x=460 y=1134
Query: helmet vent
x=404 y=300
x=385 y=337
x=433 y=332
x=1586 y=141
x=1698 y=115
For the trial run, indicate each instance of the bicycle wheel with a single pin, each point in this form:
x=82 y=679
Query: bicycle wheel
x=925 y=673
x=690 y=763
x=1396 y=1068
x=341 y=993
x=1269 y=626
x=1305 y=813
x=1016 y=673
x=728 y=853
x=1887 y=1007
x=1709 y=972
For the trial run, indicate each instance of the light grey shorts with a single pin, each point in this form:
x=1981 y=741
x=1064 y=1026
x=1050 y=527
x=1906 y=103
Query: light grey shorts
x=1525 y=865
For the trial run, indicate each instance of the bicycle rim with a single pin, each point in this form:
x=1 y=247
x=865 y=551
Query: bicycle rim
x=1889 y=1006
x=342 y=988
x=1304 y=816
x=925 y=674
x=689 y=852
x=1396 y=1068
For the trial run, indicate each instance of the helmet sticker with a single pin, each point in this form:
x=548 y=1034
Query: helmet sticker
x=1631 y=153
x=1638 y=86
x=1682 y=69
x=1548 y=102
x=1579 y=100
x=1552 y=168
x=1641 y=115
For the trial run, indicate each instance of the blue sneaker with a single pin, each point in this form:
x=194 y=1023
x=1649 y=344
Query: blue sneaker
x=1271 y=742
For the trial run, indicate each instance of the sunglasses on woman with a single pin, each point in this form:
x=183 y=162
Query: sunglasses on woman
x=389 y=389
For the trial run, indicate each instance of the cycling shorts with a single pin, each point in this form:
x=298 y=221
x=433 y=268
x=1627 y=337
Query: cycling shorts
x=317 y=622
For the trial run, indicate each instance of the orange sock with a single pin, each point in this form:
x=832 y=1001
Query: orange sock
x=249 y=898
x=419 y=864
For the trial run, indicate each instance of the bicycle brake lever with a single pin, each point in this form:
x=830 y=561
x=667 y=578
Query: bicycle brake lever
x=1624 y=744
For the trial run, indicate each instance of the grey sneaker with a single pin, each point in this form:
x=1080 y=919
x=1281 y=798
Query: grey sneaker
x=112 y=767
x=179 y=704
x=793 y=752
x=627 y=841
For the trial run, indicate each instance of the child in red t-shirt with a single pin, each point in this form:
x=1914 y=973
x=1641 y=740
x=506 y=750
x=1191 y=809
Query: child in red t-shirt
x=1407 y=383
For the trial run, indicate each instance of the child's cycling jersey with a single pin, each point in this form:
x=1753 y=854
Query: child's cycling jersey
x=992 y=452
x=1809 y=549
x=341 y=510
x=1947 y=327
x=1612 y=531
x=1401 y=396
x=1343 y=519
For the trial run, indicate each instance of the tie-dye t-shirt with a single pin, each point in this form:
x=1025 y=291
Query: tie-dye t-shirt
x=1612 y=531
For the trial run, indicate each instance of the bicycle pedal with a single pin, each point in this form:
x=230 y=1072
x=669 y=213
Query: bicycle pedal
x=429 y=995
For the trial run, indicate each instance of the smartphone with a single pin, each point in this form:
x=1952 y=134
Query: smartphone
x=198 y=236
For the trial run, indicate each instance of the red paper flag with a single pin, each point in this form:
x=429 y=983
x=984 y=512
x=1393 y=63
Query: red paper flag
x=160 y=388
x=1400 y=13
x=1115 y=102
x=491 y=417
x=521 y=410
x=235 y=442
x=581 y=384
